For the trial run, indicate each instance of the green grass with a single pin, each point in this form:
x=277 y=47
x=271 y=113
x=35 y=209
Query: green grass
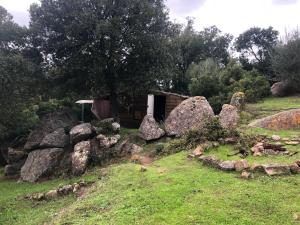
x=223 y=151
x=281 y=133
x=273 y=105
x=175 y=190
x=14 y=209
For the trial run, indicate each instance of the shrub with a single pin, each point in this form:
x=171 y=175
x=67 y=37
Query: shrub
x=219 y=84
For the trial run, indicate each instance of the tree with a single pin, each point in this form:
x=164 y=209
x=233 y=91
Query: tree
x=193 y=47
x=103 y=47
x=18 y=76
x=256 y=46
x=286 y=61
x=218 y=84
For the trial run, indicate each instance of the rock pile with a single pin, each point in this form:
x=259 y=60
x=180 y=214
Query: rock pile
x=59 y=146
x=59 y=192
x=46 y=149
x=247 y=170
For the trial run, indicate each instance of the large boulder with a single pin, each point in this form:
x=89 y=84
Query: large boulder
x=63 y=118
x=56 y=139
x=238 y=100
x=41 y=164
x=193 y=113
x=279 y=89
x=281 y=121
x=80 y=157
x=229 y=117
x=149 y=129
x=81 y=132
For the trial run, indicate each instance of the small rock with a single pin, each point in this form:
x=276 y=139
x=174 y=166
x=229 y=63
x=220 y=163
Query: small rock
x=76 y=187
x=81 y=132
x=116 y=127
x=257 y=168
x=51 y=194
x=295 y=216
x=65 y=190
x=245 y=175
x=292 y=142
x=241 y=165
x=230 y=140
x=257 y=154
x=270 y=152
x=135 y=158
x=295 y=169
x=198 y=151
x=108 y=142
x=274 y=169
x=39 y=197
x=143 y=169
x=285 y=139
x=276 y=138
x=210 y=161
x=227 y=165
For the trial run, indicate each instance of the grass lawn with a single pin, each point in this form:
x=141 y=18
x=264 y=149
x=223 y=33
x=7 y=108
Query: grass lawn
x=15 y=210
x=175 y=190
x=272 y=105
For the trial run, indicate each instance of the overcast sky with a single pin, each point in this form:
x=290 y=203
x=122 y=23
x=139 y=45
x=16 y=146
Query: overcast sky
x=231 y=16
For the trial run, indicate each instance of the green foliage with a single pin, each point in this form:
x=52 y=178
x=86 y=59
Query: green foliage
x=45 y=107
x=212 y=131
x=191 y=47
x=286 y=61
x=256 y=46
x=219 y=84
x=159 y=148
x=104 y=47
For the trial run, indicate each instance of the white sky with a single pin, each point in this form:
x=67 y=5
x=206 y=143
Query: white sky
x=231 y=16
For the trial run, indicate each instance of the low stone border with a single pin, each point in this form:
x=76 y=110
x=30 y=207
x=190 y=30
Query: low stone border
x=247 y=170
x=59 y=192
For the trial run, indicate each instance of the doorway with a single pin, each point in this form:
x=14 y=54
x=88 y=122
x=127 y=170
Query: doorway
x=159 y=107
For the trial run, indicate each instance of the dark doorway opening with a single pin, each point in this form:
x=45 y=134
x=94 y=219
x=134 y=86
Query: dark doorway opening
x=159 y=107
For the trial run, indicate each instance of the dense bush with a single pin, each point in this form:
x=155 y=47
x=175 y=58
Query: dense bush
x=219 y=84
x=211 y=132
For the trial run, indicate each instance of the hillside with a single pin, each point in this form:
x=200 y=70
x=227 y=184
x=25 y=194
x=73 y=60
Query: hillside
x=173 y=190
